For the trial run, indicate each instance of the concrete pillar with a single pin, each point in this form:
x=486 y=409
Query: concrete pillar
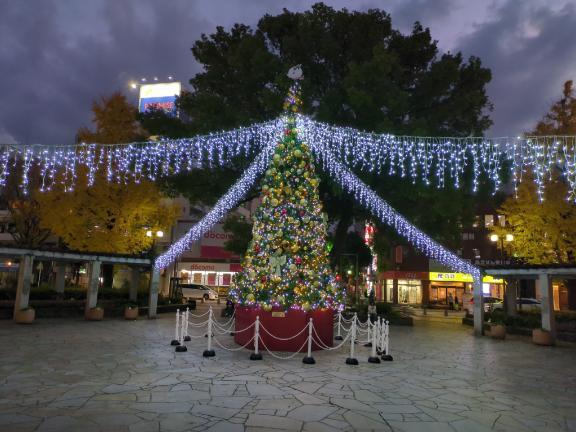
x=24 y=281
x=60 y=277
x=134 y=283
x=510 y=295
x=395 y=291
x=548 y=322
x=93 y=283
x=478 y=308
x=426 y=292
x=153 y=292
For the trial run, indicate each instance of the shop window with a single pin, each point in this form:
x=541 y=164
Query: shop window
x=226 y=279
x=197 y=278
x=211 y=279
x=389 y=290
x=409 y=291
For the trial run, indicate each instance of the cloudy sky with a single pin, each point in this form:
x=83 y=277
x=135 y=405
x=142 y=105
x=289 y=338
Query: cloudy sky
x=57 y=56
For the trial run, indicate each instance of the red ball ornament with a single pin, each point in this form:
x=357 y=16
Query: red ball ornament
x=256 y=248
x=284 y=212
x=298 y=260
x=263 y=279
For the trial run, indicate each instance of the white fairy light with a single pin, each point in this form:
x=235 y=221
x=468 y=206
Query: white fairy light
x=220 y=209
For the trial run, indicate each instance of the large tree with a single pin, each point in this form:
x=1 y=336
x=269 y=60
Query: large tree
x=545 y=232
x=359 y=72
x=107 y=216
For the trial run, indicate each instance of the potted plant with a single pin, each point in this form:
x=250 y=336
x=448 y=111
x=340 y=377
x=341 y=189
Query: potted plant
x=497 y=327
x=542 y=337
x=95 y=314
x=131 y=311
x=25 y=316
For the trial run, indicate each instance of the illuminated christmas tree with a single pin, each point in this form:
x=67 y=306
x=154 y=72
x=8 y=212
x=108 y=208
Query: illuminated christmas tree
x=286 y=264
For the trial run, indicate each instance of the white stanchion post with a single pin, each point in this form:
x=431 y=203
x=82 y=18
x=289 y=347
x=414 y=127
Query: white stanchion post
x=209 y=352
x=352 y=360
x=338 y=333
x=176 y=341
x=373 y=356
x=382 y=336
x=369 y=336
x=309 y=359
x=256 y=355
x=187 y=337
x=183 y=324
x=386 y=347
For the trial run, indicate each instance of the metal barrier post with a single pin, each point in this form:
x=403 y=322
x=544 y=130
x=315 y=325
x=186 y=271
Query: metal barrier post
x=175 y=341
x=339 y=334
x=352 y=360
x=183 y=324
x=209 y=352
x=187 y=337
x=309 y=359
x=373 y=356
x=386 y=348
x=256 y=355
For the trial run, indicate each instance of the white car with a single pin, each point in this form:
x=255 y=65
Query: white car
x=194 y=291
x=528 y=304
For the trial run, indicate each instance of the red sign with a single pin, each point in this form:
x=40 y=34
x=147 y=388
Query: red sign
x=404 y=275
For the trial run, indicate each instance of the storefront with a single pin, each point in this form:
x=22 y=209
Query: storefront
x=211 y=274
x=434 y=288
x=401 y=287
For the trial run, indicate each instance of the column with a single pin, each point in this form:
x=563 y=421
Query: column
x=134 y=283
x=93 y=283
x=510 y=294
x=395 y=291
x=425 y=292
x=548 y=322
x=60 y=277
x=478 y=308
x=153 y=293
x=23 y=285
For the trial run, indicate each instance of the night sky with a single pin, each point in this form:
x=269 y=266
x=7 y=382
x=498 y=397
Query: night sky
x=57 y=56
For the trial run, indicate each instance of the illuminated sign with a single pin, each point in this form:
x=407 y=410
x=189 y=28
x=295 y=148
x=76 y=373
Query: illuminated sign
x=159 y=96
x=460 y=277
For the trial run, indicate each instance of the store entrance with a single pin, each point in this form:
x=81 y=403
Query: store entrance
x=440 y=294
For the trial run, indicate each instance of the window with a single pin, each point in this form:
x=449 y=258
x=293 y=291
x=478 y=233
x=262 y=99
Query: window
x=488 y=221
x=468 y=236
x=502 y=220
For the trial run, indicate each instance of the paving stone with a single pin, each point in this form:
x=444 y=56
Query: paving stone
x=122 y=376
x=272 y=422
x=311 y=413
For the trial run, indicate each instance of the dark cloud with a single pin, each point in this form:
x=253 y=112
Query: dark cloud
x=530 y=50
x=57 y=56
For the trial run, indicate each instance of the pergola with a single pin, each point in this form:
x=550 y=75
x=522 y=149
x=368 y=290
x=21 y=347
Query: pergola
x=543 y=274
x=26 y=258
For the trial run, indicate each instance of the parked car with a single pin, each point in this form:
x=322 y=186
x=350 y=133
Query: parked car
x=490 y=304
x=193 y=291
x=528 y=304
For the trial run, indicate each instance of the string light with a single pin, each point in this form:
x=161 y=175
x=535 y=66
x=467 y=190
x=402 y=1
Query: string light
x=385 y=213
x=222 y=207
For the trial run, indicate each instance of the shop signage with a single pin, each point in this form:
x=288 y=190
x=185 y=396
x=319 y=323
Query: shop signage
x=276 y=314
x=460 y=277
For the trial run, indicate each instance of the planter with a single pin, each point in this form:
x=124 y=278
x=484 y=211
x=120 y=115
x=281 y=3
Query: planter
x=542 y=337
x=25 y=316
x=498 y=331
x=131 y=313
x=284 y=325
x=95 y=314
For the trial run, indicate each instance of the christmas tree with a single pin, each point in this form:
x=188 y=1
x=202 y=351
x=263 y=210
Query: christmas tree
x=286 y=264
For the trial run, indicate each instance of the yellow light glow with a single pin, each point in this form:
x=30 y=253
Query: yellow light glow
x=509 y=237
x=494 y=237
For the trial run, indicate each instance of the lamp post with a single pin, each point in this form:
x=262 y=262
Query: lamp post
x=355 y=274
x=507 y=237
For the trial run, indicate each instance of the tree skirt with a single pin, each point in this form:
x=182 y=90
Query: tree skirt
x=284 y=325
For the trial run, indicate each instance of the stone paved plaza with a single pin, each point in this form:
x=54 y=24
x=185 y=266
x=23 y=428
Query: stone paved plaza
x=71 y=375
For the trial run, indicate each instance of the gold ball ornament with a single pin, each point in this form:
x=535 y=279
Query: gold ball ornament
x=250 y=298
x=306 y=306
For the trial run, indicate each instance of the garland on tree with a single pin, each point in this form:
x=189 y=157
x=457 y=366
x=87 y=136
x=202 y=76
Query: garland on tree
x=286 y=264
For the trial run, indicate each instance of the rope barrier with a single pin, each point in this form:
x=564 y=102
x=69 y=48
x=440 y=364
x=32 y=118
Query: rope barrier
x=285 y=358
x=283 y=339
x=233 y=349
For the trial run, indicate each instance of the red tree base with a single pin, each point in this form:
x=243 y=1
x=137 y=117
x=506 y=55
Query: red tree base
x=284 y=325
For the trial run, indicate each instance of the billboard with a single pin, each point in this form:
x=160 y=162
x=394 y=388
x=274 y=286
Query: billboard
x=211 y=244
x=160 y=96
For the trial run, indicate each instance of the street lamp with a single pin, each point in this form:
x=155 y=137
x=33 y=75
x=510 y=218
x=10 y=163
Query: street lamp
x=494 y=239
